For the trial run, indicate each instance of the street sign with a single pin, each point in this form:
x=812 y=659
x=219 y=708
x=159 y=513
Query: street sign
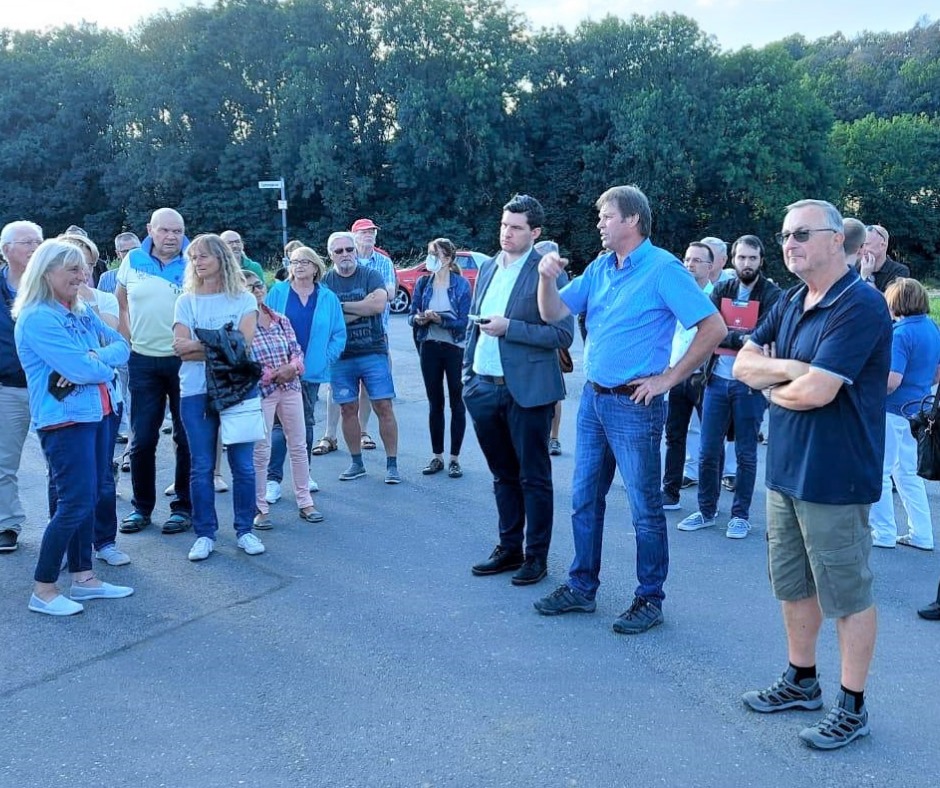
x=270 y=184
x=282 y=205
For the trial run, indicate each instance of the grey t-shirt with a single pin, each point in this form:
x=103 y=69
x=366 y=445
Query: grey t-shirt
x=207 y=311
x=365 y=335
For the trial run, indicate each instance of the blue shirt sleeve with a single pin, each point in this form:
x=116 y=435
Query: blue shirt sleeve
x=682 y=295
x=901 y=348
x=575 y=294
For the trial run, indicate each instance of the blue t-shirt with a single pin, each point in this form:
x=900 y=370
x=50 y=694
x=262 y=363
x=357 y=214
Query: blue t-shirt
x=300 y=315
x=632 y=312
x=915 y=354
x=833 y=454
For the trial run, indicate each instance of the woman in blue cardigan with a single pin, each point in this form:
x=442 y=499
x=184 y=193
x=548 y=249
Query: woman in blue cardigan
x=315 y=315
x=70 y=359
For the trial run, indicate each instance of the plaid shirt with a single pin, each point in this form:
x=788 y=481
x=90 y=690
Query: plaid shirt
x=273 y=347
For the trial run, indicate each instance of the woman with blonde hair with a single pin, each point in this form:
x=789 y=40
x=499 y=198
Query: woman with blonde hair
x=316 y=317
x=915 y=368
x=70 y=358
x=214 y=296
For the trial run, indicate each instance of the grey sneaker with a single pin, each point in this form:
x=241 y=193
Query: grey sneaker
x=838 y=728
x=112 y=556
x=354 y=471
x=392 y=476
x=641 y=616
x=737 y=528
x=785 y=694
x=696 y=521
x=564 y=599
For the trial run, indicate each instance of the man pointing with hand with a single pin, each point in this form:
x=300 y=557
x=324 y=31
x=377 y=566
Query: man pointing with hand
x=632 y=296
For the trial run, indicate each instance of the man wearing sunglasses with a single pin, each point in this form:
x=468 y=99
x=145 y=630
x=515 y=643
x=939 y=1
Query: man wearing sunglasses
x=821 y=358
x=875 y=267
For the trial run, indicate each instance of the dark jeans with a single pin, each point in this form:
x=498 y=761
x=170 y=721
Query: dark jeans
x=74 y=454
x=202 y=429
x=154 y=380
x=310 y=392
x=514 y=441
x=440 y=360
x=727 y=400
x=683 y=401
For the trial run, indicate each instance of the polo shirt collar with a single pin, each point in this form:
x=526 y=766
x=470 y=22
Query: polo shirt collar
x=838 y=289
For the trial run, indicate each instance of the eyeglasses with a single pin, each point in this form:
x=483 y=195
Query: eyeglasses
x=302 y=261
x=801 y=236
x=875 y=229
x=123 y=252
x=28 y=242
x=696 y=260
x=341 y=249
x=256 y=286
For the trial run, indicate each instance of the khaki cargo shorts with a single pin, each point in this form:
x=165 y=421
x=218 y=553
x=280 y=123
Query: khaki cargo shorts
x=822 y=550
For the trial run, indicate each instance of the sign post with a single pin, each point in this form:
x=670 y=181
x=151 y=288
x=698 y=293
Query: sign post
x=281 y=204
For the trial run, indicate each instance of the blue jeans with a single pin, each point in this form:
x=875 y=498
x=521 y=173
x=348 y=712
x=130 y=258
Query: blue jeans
x=202 y=430
x=727 y=400
x=154 y=380
x=614 y=432
x=74 y=454
x=310 y=392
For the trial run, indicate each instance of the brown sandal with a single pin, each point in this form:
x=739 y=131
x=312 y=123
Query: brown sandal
x=366 y=441
x=324 y=446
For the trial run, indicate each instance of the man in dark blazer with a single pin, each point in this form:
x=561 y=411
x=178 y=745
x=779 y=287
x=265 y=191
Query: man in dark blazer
x=512 y=381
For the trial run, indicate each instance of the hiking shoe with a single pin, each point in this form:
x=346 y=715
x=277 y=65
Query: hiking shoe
x=838 y=728
x=201 y=548
x=112 y=556
x=554 y=447
x=737 y=528
x=641 y=616
x=272 y=492
x=671 y=502
x=564 y=599
x=392 y=476
x=785 y=694
x=695 y=522
x=354 y=471
x=687 y=482
x=251 y=544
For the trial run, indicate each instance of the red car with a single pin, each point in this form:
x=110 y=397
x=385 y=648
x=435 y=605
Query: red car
x=469 y=263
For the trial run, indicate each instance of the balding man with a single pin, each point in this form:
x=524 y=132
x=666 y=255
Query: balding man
x=875 y=267
x=18 y=241
x=149 y=282
x=234 y=242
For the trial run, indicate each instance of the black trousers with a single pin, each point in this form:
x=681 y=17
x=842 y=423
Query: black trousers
x=440 y=362
x=514 y=441
x=683 y=400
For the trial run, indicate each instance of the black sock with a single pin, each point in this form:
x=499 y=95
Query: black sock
x=854 y=701
x=799 y=674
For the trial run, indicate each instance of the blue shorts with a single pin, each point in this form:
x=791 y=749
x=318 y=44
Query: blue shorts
x=372 y=370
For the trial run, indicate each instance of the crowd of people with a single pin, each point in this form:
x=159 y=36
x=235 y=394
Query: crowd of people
x=691 y=349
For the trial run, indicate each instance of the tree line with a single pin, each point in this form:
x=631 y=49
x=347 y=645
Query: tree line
x=427 y=115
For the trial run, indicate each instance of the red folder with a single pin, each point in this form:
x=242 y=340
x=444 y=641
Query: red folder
x=738 y=317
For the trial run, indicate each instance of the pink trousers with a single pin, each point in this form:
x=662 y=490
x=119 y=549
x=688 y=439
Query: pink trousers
x=289 y=407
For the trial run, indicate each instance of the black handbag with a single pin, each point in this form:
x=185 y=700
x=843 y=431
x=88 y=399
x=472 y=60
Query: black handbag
x=926 y=432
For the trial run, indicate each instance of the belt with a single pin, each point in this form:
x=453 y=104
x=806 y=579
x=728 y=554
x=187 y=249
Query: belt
x=496 y=380
x=628 y=389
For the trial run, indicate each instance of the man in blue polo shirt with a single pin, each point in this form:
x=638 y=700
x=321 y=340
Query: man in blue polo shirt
x=822 y=358
x=150 y=280
x=632 y=296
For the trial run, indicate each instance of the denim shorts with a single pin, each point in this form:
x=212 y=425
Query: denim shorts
x=373 y=370
x=821 y=550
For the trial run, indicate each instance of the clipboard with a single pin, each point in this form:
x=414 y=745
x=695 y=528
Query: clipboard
x=738 y=316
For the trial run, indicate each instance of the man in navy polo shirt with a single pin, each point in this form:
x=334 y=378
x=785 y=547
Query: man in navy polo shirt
x=822 y=359
x=632 y=296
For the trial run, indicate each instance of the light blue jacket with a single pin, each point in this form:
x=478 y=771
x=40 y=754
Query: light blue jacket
x=81 y=348
x=327 y=332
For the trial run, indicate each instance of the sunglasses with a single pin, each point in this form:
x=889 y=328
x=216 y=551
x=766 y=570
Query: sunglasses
x=341 y=249
x=801 y=236
x=256 y=286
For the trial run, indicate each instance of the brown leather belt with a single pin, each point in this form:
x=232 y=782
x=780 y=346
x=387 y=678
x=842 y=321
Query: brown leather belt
x=496 y=380
x=627 y=389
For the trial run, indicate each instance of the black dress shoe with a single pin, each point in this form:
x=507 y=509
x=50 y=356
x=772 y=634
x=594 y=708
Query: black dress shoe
x=500 y=560
x=530 y=572
x=931 y=612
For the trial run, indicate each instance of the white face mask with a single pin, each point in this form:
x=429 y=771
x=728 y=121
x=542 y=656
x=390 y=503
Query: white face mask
x=433 y=263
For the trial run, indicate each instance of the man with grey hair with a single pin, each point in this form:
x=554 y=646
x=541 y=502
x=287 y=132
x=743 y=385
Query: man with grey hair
x=875 y=267
x=123 y=243
x=150 y=280
x=720 y=250
x=821 y=358
x=234 y=242
x=18 y=241
x=364 y=360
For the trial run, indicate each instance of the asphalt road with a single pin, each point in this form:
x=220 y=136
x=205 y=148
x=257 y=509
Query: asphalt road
x=361 y=651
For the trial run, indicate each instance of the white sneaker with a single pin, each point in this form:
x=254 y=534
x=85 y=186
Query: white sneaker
x=112 y=556
x=312 y=485
x=201 y=549
x=272 y=492
x=220 y=484
x=251 y=544
x=171 y=490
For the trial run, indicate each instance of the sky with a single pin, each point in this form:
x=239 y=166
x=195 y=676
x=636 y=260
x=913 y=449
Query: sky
x=734 y=23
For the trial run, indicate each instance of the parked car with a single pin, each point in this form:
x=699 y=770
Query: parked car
x=469 y=263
